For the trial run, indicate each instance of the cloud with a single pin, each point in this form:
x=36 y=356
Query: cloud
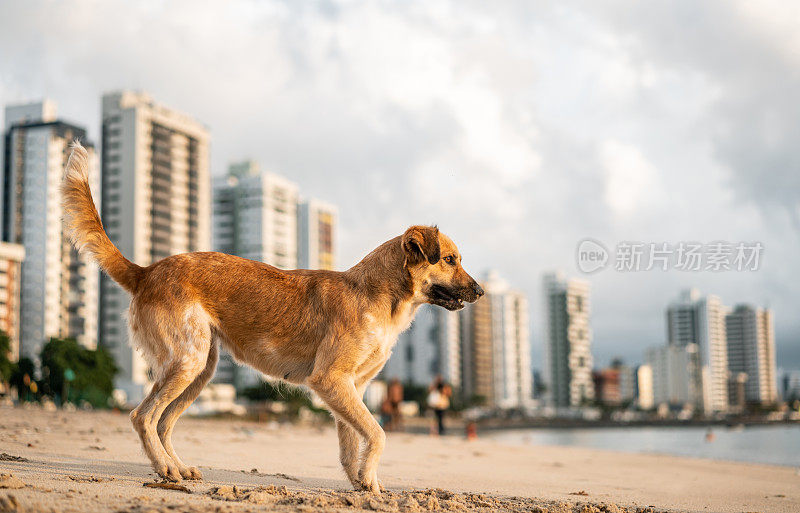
x=748 y=56
x=632 y=183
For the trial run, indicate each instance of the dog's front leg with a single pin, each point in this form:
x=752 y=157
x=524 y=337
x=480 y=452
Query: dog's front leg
x=348 y=450
x=340 y=394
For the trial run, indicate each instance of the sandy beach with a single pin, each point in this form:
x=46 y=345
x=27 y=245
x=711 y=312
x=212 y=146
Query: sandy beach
x=91 y=461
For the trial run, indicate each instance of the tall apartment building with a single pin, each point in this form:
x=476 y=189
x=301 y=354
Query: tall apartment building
x=59 y=296
x=614 y=385
x=568 y=339
x=644 y=387
x=430 y=347
x=155 y=203
x=790 y=386
x=316 y=235
x=496 y=347
x=607 y=386
x=700 y=320
x=11 y=257
x=255 y=215
x=676 y=375
x=751 y=350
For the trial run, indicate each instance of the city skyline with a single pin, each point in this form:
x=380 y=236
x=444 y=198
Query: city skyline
x=246 y=186
x=716 y=358
x=670 y=143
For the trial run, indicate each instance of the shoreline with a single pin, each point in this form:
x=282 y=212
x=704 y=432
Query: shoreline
x=491 y=425
x=456 y=424
x=723 y=458
x=92 y=462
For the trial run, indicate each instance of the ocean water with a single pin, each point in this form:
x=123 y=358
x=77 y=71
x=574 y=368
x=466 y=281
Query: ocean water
x=776 y=445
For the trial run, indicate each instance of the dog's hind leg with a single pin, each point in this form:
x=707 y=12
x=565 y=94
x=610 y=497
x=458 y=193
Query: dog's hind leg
x=177 y=376
x=189 y=356
x=179 y=405
x=341 y=396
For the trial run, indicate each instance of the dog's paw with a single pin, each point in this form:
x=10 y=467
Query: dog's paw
x=371 y=484
x=168 y=471
x=368 y=487
x=192 y=473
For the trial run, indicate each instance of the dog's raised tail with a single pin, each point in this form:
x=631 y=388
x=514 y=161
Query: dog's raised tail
x=84 y=226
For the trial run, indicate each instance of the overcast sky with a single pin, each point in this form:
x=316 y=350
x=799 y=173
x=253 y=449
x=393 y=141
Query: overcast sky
x=520 y=128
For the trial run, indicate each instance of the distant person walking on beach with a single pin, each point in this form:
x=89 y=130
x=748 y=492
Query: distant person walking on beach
x=439 y=401
x=386 y=414
x=394 y=396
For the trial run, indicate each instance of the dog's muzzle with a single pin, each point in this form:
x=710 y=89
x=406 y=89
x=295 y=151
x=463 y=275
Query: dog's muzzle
x=454 y=298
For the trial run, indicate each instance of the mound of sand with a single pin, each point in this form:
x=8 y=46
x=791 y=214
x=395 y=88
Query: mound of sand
x=283 y=499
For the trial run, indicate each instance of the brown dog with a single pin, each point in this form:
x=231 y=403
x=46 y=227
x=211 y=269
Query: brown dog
x=331 y=331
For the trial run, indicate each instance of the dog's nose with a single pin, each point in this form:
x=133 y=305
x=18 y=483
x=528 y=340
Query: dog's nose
x=478 y=290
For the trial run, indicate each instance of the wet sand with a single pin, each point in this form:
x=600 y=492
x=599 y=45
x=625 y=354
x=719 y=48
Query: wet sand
x=91 y=461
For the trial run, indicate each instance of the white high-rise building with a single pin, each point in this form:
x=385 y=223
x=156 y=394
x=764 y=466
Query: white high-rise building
x=644 y=383
x=430 y=347
x=255 y=215
x=59 y=296
x=568 y=339
x=675 y=371
x=751 y=350
x=696 y=319
x=316 y=235
x=156 y=203
x=496 y=347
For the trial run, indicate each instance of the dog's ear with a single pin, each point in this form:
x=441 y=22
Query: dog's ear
x=421 y=243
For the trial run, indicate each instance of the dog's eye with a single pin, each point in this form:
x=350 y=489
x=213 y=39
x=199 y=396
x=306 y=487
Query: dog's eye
x=450 y=260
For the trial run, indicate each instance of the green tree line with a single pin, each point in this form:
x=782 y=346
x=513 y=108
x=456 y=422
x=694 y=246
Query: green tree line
x=69 y=373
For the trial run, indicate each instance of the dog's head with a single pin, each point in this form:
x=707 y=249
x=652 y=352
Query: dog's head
x=434 y=263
